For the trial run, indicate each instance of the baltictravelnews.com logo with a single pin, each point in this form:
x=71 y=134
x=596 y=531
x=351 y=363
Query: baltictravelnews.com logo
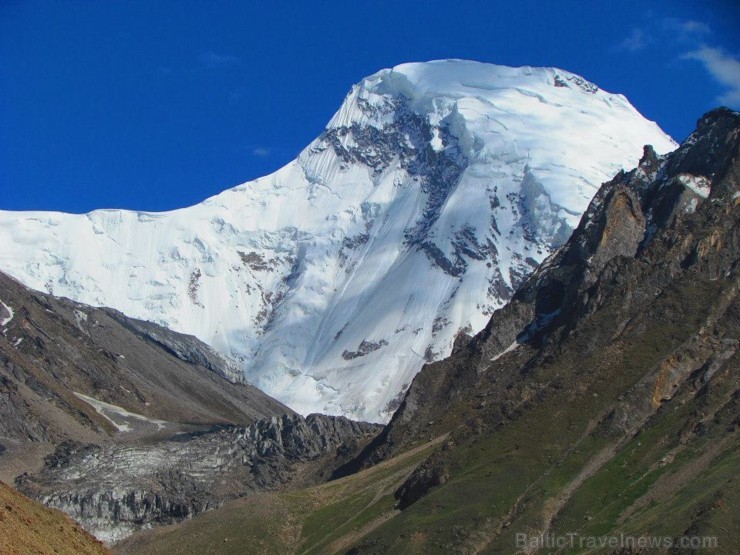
x=621 y=541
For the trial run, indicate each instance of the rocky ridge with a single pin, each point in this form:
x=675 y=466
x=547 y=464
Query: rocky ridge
x=670 y=218
x=123 y=424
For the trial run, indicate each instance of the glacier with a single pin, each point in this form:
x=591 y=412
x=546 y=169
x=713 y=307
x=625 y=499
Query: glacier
x=432 y=193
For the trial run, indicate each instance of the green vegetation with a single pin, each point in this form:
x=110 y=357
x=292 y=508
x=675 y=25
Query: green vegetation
x=319 y=519
x=556 y=470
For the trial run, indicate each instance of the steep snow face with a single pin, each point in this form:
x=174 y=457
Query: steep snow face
x=434 y=190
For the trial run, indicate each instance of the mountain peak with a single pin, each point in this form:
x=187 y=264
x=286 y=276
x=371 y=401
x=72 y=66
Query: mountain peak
x=422 y=85
x=430 y=196
x=451 y=74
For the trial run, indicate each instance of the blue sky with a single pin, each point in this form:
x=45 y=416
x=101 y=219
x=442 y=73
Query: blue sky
x=154 y=105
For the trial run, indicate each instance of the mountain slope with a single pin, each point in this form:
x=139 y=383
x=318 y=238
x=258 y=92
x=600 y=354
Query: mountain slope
x=73 y=372
x=28 y=527
x=319 y=519
x=116 y=489
x=601 y=402
x=432 y=193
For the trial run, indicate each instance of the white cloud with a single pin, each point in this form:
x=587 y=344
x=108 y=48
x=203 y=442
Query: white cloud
x=668 y=31
x=261 y=152
x=212 y=60
x=680 y=35
x=686 y=29
x=636 y=41
x=724 y=68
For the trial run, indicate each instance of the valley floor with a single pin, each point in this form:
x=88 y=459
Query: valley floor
x=328 y=518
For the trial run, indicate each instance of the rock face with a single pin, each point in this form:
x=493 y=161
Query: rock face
x=604 y=396
x=430 y=196
x=114 y=490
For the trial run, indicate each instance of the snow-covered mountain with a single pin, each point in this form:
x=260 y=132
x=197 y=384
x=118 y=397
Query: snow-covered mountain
x=432 y=192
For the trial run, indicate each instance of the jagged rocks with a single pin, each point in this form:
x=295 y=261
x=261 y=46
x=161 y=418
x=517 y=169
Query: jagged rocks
x=113 y=490
x=364 y=348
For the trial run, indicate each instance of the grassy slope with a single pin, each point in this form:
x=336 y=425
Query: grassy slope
x=28 y=527
x=551 y=466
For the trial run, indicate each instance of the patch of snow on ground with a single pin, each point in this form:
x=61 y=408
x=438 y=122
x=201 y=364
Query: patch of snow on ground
x=80 y=318
x=9 y=317
x=508 y=349
x=111 y=534
x=697 y=183
x=114 y=412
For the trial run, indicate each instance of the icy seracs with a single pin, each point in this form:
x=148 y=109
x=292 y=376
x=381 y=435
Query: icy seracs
x=434 y=190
